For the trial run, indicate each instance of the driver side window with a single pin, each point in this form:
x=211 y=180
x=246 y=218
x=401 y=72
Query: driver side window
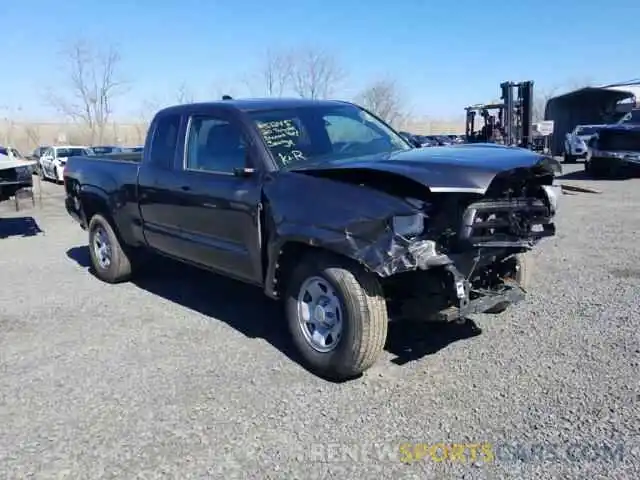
x=345 y=129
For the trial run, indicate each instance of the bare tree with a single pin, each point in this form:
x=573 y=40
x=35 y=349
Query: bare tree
x=146 y=112
x=32 y=132
x=315 y=74
x=383 y=99
x=276 y=73
x=540 y=100
x=184 y=94
x=93 y=84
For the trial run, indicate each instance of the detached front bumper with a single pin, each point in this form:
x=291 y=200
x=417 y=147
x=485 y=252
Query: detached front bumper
x=473 y=302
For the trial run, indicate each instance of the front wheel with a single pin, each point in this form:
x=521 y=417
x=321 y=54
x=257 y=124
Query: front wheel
x=110 y=262
x=568 y=158
x=337 y=316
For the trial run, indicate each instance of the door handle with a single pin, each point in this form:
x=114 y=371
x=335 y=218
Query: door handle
x=185 y=188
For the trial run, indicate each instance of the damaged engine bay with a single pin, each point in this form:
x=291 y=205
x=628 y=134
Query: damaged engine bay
x=466 y=257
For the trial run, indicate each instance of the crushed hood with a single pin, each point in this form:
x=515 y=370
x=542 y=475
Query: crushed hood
x=458 y=168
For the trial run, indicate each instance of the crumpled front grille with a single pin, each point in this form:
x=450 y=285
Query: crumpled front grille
x=499 y=221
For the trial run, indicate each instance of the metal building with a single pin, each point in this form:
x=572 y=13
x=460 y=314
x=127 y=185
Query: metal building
x=589 y=105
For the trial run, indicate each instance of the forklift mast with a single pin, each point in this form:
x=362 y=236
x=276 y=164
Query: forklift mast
x=515 y=115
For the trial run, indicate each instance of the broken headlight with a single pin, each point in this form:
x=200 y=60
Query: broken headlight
x=408 y=225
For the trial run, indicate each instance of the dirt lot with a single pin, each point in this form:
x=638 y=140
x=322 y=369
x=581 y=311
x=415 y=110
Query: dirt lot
x=187 y=375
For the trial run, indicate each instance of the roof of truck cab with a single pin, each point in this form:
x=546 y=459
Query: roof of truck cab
x=257 y=104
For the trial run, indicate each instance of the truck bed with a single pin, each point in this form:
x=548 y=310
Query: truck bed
x=108 y=173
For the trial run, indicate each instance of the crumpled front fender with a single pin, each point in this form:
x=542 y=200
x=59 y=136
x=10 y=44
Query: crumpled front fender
x=379 y=250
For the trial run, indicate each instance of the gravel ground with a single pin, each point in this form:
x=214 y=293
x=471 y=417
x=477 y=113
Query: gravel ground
x=187 y=375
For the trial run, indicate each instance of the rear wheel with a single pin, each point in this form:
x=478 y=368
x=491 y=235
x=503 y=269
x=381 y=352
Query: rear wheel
x=110 y=262
x=337 y=316
x=519 y=268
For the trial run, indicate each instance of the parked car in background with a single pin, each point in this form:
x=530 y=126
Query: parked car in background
x=455 y=139
x=575 y=143
x=14 y=154
x=439 y=140
x=411 y=138
x=15 y=172
x=105 y=149
x=37 y=152
x=614 y=151
x=137 y=149
x=426 y=142
x=54 y=159
x=631 y=118
x=11 y=152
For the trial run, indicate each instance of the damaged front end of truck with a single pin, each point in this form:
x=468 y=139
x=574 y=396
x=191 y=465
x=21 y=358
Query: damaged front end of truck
x=440 y=253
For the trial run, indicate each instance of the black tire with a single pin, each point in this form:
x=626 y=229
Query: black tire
x=568 y=158
x=119 y=268
x=364 y=322
x=522 y=277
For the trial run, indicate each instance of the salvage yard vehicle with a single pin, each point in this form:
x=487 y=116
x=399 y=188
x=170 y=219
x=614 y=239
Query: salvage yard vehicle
x=15 y=173
x=325 y=207
x=53 y=160
x=104 y=149
x=614 y=151
x=575 y=142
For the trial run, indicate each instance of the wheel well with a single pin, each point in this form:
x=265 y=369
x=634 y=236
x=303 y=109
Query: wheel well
x=92 y=204
x=290 y=255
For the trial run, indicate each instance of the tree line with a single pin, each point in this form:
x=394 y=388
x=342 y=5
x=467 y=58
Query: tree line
x=94 y=80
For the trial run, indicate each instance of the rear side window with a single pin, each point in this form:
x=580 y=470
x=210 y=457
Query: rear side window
x=165 y=141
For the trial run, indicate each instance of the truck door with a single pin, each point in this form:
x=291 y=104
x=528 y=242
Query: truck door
x=219 y=219
x=160 y=210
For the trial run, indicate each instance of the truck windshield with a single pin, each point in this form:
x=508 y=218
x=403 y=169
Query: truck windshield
x=316 y=133
x=614 y=140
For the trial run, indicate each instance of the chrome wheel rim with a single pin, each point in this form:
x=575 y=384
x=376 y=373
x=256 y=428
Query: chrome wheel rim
x=320 y=314
x=102 y=247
